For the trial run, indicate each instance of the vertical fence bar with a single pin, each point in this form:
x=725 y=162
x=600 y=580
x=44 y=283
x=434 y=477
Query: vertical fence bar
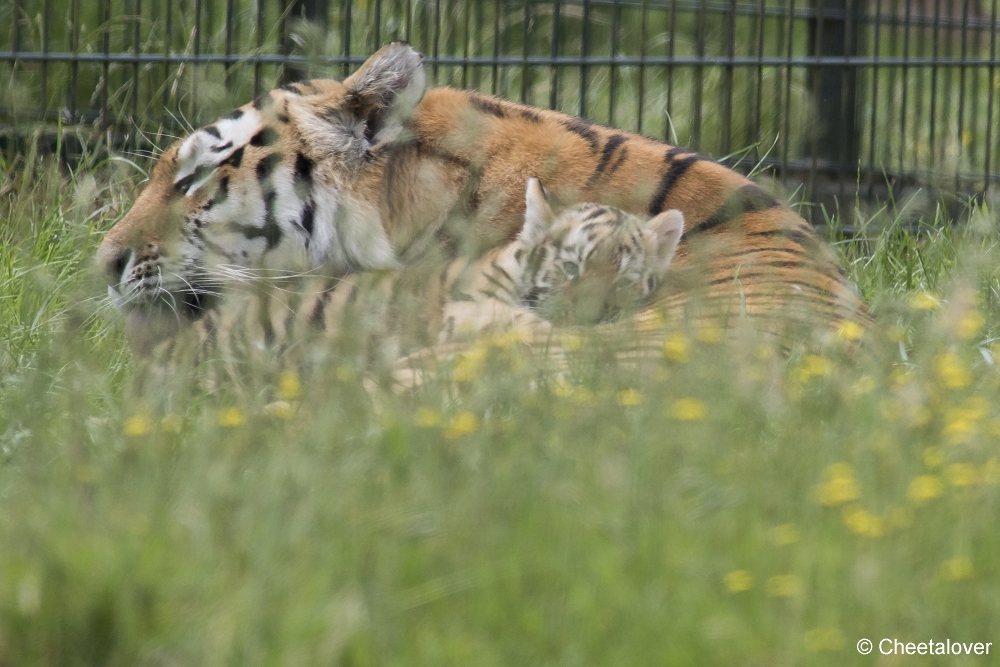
x=74 y=78
x=961 y=93
x=437 y=36
x=786 y=144
x=465 y=45
x=554 y=71
x=408 y=21
x=727 y=80
x=977 y=50
x=612 y=91
x=348 y=6
x=584 y=53
x=136 y=52
x=905 y=76
x=816 y=81
x=167 y=40
x=377 y=41
x=758 y=111
x=670 y=71
x=495 y=89
x=46 y=29
x=642 y=63
x=229 y=45
x=699 y=73
x=874 y=101
x=106 y=64
x=525 y=37
x=934 y=72
x=991 y=73
x=197 y=52
x=259 y=7
x=848 y=148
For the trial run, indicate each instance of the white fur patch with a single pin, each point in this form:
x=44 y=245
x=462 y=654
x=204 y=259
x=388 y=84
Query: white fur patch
x=203 y=149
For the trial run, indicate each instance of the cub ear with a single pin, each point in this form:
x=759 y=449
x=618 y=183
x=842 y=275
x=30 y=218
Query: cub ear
x=386 y=89
x=538 y=215
x=663 y=233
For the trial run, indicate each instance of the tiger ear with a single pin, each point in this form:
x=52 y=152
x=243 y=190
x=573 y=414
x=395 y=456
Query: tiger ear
x=663 y=233
x=538 y=215
x=386 y=89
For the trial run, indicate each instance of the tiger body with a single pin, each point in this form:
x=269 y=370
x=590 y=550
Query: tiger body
x=377 y=317
x=376 y=172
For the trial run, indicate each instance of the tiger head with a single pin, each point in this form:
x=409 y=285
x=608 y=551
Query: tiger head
x=281 y=184
x=590 y=262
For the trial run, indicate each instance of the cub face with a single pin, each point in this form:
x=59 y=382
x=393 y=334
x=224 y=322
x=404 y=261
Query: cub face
x=589 y=262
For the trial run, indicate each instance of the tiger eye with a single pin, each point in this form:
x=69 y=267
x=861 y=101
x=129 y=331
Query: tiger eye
x=571 y=269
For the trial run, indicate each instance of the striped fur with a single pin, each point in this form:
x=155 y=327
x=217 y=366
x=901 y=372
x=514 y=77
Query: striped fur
x=375 y=317
x=374 y=172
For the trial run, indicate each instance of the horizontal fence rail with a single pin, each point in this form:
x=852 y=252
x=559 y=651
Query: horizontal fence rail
x=845 y=98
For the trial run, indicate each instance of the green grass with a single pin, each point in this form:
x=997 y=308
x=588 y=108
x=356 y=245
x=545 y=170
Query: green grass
x=724 y=506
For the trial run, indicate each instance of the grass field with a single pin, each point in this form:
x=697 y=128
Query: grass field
x=727 y=506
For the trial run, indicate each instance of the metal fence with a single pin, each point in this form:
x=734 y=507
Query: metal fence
x=866 y=97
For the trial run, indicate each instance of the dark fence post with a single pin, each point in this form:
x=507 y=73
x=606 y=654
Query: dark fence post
x=833 y=32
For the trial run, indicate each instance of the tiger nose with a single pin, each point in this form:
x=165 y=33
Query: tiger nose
x=111 y=262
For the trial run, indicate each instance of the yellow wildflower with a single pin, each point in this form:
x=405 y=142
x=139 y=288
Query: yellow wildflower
x=562 y=389
x=232 y=417
x=346 y=373
x=464 y=422
x=784 y=586
x=629 y=397
x=469 y=364
x=427 y=417
x=710 y=334
x=280 y=410
x=975 y=407
x=863 y=385
x=289 y=387
x=738 y=581
x=959 y=431
x=763 y=352
x=861 y=522
x=952 y=370
x=823 y=639
x=956 y=568
x=785 y=534
x=925 y=488
x=172 y=423
x=961 y=474
x=966 y=138
x=850 y=330
x=688 y=409
x=933 y=457
x=571 y=342
x=924 y=301
x=969 y=324
x=811 y=366
x=839 y=485
x=138 y=426
x=677 y=348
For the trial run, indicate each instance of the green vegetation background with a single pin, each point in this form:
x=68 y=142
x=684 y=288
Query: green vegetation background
x=727 y=505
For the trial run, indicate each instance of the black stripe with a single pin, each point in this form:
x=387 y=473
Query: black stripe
x=801 y=236
x=308 y=217
x=267 y=165
x=265 y=137
x=677 y=169
x=614 y=141
x=618 y=163
x=582 y=128
x=488 y=105
x=303 y=168
x=292 y=88
x=234 y=160
x=235 y=114
x=214 y=131
x=222 y=147
x=748 y=199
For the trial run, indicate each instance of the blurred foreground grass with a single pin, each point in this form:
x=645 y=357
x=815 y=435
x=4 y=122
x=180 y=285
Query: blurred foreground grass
x=723 y=505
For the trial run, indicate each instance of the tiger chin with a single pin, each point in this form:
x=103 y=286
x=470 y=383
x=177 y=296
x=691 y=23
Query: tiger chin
x=372 y=320
x=376 y=171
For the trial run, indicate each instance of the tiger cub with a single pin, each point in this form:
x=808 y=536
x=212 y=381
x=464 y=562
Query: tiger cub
x=582 y=264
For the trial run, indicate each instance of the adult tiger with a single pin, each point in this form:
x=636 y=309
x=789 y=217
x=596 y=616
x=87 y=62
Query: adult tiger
x=376 y=171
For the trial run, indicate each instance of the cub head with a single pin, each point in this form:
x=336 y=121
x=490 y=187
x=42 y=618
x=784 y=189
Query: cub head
x=284 y=184
x=590 y=262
